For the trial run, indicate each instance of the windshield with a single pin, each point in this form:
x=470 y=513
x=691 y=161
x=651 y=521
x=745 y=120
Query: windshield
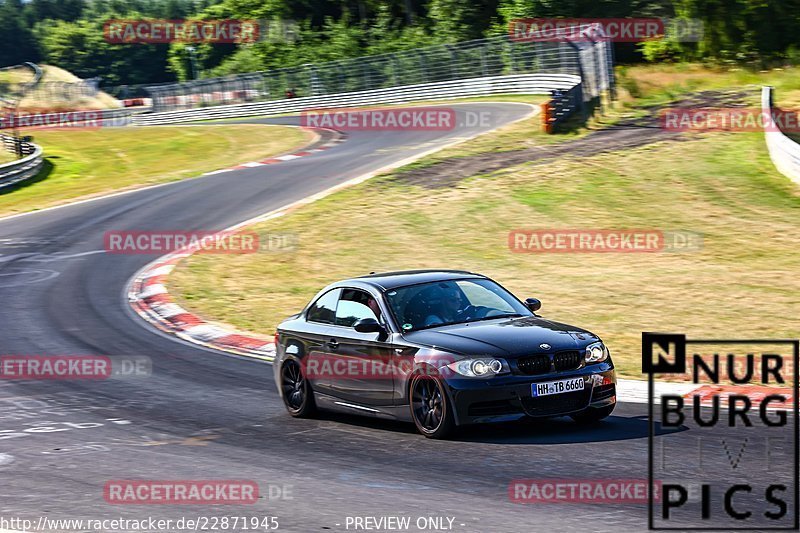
x=440 y=303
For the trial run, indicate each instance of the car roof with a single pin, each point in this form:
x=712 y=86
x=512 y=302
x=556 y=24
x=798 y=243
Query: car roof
x=391 y=280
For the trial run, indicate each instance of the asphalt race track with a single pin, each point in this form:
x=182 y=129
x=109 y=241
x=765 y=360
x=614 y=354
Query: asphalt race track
x=206 y=415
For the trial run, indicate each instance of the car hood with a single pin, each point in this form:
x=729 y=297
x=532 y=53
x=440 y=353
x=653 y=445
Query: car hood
x=503 y=337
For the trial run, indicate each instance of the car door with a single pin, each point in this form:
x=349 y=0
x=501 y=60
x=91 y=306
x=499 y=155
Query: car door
x=363 y=373
x=317 y=333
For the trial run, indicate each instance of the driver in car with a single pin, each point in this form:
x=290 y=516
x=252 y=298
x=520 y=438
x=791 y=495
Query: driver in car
x=449 y=309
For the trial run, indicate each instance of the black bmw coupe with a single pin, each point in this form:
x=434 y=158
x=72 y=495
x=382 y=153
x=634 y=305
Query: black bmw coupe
x=439 y=348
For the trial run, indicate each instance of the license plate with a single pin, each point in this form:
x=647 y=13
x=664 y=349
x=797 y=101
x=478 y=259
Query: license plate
x=561 y=386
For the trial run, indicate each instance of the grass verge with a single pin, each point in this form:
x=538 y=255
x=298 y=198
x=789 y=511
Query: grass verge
x=644 y=85
x=85 y=163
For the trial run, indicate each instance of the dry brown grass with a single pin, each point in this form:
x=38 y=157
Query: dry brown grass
x=43 y=99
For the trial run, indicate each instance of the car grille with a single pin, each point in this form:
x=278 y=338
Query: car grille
x=557 y=404
x=540 y=363
x=566 y=360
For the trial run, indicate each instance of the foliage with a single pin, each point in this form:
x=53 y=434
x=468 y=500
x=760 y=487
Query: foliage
x=68 y=33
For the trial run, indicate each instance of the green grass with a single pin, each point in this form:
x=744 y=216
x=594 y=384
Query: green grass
x=86 y=163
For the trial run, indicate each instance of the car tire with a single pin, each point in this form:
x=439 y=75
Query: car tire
x=591 y=415
x=296 y=391
x=430 y=407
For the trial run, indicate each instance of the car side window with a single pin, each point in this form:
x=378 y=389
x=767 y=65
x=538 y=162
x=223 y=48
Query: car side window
x=324 y=309
x=355 y=305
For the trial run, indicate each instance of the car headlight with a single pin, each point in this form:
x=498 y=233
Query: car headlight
x=479 y=368
x=596 y=353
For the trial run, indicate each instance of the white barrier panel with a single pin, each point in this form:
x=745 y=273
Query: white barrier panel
x=784 y=152
x=513 y=84
x=22 y=169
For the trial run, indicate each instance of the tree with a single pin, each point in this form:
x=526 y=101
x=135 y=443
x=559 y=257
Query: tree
x=456 y=20
x=17 y=42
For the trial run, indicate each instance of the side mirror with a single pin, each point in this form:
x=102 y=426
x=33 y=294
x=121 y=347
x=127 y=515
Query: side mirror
x=533 y=304
x=368 y=325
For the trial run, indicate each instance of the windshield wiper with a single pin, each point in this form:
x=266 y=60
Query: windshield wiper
x=506 y=315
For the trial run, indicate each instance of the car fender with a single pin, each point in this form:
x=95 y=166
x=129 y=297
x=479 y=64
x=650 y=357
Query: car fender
x=293 y=350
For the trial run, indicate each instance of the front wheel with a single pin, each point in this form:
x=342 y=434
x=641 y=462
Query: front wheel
x=591 y=415
x=430 y=407
x=297 y=394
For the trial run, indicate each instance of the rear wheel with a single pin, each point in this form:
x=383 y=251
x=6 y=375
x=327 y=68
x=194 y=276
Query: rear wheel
x=297 y=394
x=430 y=407
x=593 y=414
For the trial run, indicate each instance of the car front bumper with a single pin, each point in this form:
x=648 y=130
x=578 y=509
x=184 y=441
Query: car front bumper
x=507 y=398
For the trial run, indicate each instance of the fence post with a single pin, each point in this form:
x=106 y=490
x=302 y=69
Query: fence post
x=394 y=69
x=451 y=53
x=612 y=79
x=364 y=74
x=598 y=74
x=316 y=85
x=582 y=76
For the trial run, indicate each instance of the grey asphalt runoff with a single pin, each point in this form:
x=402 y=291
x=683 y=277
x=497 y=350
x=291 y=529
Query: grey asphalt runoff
x=207 y=415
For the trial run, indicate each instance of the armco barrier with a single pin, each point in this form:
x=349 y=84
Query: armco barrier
x=784 y=152
x=560 y=107
x=22 y=169
x=511 y=84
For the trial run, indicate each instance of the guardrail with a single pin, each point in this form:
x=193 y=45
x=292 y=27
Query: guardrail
x=560 y=107
x=21 y=169
x=24 y=87
x=784 y=152
x=29 y=165
x=509 y=84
